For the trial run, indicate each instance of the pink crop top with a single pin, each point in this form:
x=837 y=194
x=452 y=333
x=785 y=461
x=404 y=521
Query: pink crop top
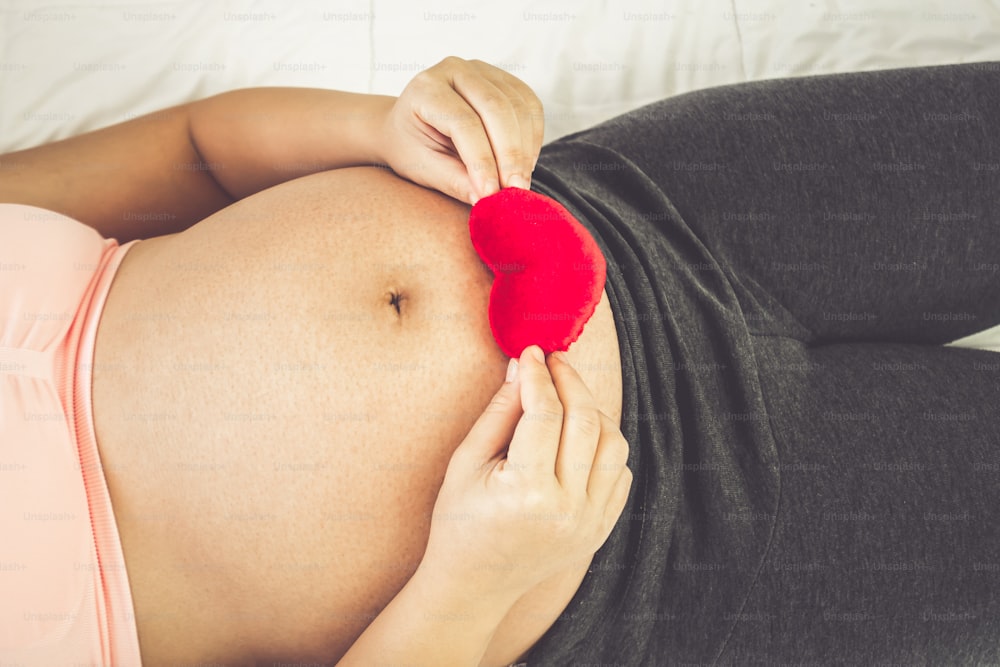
x=64 y=589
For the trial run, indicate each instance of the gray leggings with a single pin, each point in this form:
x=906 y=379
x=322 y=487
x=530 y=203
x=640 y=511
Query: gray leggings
x=818 y=479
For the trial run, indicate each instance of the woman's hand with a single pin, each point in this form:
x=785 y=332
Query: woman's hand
x=509 y=517
x=465 y=128
x=534 y=489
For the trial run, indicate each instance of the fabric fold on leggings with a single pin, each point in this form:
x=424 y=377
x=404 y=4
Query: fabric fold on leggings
x=682 y=534
x=816 y=477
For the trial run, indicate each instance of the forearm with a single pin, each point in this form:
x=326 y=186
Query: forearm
x=431 y=623
x=165 y=171
x=255 y=138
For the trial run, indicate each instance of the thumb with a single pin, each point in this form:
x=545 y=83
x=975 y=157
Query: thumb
x=492 y=432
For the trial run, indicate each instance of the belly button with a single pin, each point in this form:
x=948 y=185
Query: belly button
x=395 y=299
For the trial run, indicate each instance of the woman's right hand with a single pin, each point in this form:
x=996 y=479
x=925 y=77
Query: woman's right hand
x=535 y=487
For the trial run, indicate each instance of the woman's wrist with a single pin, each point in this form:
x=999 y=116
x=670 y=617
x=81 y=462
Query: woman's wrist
x=434 y=620
x=484 y=598
x=365 y=128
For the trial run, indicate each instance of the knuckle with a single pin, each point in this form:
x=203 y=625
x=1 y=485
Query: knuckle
x=514 y=157
x=501 y=403
x=533 y=501
x=427 y=74
x=517 y=103
x=612 y=433
x=467 y=121
x=562 y=519
x=584 y=420
x=493 y=101
x=481 y=164
x=628 y=477
x=460 y=186
x=511 y=167
x=536 y=107
x=620 y=447
x=423 y=81
x=547 y=409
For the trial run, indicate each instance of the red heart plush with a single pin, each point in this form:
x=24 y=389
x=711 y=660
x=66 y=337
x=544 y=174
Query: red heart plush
x=548 y=272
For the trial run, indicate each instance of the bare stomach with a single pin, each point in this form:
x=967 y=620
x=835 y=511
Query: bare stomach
x=277 y=392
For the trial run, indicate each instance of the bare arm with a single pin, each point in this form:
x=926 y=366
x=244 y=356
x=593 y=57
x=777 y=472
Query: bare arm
x=165 y=171
x=465 y=128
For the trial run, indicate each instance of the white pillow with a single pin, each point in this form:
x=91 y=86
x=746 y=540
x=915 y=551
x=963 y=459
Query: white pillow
x=66 y=68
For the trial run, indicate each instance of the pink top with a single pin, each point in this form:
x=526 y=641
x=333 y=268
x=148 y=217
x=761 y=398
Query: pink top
x=64 y=590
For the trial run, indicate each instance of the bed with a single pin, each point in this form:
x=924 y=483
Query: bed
x=66 y=68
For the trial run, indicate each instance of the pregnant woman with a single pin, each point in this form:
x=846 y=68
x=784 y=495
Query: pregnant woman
x=277 y=391
x=283 y=392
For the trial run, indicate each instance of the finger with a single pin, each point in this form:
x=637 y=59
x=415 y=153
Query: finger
x=450 y=114
x=519 y=174
x=533 y=110
x=610 y=460
x=616 y=502
x=499 y=116
x=531 y=117
x=447 y=174
x=535 y=443
x=493 y=430
x=581 y=429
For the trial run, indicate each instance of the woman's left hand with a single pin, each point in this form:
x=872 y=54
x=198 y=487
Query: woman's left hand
x=465 y=128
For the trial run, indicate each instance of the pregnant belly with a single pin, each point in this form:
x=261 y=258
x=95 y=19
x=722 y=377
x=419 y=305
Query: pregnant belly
x=277 y=392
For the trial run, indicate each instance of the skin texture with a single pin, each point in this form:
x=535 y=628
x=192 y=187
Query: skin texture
x=277 y=392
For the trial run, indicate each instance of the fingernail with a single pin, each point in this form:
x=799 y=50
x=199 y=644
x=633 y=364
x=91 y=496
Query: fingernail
x=511 y=370
x=489 y=188
x=536 y=354
x=518 y=181
x=473 y=199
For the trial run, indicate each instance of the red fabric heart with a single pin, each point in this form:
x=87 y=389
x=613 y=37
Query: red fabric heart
x=548 y=272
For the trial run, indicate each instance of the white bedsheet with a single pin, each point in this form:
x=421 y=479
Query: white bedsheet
x=70 y=67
